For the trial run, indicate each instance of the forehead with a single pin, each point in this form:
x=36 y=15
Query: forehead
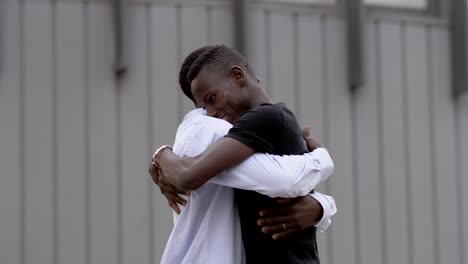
x=206 y=81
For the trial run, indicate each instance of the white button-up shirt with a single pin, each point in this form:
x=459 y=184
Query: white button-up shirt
x=208 y=229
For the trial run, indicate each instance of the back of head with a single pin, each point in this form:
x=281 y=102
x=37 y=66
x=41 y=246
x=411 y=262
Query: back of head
x=218 y=58
x=184 y=70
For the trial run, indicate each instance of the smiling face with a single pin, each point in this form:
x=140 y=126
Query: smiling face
x=222 y=96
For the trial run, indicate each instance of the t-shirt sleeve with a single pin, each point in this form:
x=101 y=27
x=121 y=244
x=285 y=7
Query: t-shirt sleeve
x=256 y=127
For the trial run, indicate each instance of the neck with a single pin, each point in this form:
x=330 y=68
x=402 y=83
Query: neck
x=258 y=97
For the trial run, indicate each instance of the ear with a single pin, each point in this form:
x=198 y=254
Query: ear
x=238 y=75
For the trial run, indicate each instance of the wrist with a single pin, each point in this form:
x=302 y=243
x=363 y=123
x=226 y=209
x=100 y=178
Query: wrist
x=158 y=154
x=313 y=145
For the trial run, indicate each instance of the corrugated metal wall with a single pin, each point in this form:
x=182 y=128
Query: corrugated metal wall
x=393 y=139
x=75 y=142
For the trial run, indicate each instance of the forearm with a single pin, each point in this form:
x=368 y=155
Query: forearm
x=190 y=173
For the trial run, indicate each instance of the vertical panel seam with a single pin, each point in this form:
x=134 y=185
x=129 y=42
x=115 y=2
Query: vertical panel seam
x=458 y=168
x=459 y=178
x=149 y=42
x=382 y=182
x=406 y=142
x=354 y=172
x=22 y=128
x=87 y=136
x=430 y=106
x=55 y=132
x=355 y=169
x=120 y=235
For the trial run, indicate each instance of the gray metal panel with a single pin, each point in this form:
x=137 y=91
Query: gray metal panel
x=71 y=133
x=136 y=183
x=366 y=136
x=310 y=80
x=443 y=148
x=343 y=231
x=393 y=144
x=221 y=26
x=193 y=35
x=40 y=185
x=282 y=83
x=164 y=106
x=310 y=75
x=105 y=234
x=421 y=224
x=11 y=200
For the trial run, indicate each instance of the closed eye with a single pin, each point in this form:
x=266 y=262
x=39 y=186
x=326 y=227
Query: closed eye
x=211 y=99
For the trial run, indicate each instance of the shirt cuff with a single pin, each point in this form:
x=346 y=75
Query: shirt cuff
x=329 y=209
x=326 y=163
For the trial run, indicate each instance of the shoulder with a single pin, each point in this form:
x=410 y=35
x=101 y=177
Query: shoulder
x=198 y=132
x=215 y=125
x=263 y=109
x=197 y=121
x=262 y=115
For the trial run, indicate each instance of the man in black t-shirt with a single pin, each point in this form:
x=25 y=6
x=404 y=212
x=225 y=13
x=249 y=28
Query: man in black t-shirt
x=270 y=128
x=223 y=83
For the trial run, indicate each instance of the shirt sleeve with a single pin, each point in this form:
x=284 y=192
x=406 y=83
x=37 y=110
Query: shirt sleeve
x=329 y=209
x=279 y=176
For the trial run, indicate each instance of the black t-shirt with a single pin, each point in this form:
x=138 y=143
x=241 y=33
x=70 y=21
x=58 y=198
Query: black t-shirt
x=273 y=129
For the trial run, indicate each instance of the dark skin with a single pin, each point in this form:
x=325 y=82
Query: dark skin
x=226 y=97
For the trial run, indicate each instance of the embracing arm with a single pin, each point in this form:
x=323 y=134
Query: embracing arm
x=189 y=173
x=279 y=176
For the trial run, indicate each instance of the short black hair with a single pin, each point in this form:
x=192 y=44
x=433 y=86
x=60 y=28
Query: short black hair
x=220 y=58
x=184 y=69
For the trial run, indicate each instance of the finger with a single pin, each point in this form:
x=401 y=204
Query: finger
x=169 y=188
x=278 y=211
x=174 y=207
x=284 y=234
x=156 y=180
x=271 y=221
x=306 y=132
x=175 y=198
x=274 y=228
x=154 y=174
x=280 y=228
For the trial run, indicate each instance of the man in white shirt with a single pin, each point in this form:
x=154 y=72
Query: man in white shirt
x=207 y=230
